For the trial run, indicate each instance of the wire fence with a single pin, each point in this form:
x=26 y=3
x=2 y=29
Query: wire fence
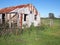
x=5 y=30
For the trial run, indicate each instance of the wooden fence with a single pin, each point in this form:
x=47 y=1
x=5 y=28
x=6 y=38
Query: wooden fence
x=4 y=29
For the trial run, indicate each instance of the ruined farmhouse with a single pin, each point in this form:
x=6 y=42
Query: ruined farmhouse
x=21 y=15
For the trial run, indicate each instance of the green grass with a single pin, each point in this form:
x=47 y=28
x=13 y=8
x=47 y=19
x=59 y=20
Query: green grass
x=43 y=35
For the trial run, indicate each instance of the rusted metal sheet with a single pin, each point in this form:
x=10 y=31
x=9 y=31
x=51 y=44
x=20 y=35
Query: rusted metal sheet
x=21 y=21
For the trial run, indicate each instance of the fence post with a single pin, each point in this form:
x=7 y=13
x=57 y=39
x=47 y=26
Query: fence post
x=51 y=22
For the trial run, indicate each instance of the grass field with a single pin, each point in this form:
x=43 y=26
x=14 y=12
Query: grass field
x=43 y=35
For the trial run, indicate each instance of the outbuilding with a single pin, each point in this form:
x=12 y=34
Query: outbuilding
x=22 y=15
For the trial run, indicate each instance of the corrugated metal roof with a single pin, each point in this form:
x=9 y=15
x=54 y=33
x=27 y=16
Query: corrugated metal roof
x=8 y=9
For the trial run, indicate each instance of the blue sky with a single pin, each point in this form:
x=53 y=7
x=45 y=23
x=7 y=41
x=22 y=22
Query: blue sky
x=43 y=6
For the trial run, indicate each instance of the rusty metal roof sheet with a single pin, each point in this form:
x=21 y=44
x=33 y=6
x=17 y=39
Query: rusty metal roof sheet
x=8 y=9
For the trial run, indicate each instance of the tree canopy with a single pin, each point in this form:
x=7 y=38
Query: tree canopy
x=51 y=15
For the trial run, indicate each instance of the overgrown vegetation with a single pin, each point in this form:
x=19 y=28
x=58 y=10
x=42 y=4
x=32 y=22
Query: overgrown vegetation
x=41 y=35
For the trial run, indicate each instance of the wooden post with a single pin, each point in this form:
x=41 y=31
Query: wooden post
x=17 y=23
x=17 y=20
x=21 y=21
x=51 y=22
x=10 y=21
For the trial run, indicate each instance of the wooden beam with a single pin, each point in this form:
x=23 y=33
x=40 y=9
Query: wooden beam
x=17 y=20
x=10 y=21
x=11 y=18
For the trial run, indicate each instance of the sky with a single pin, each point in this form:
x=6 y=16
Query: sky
x=44 y=7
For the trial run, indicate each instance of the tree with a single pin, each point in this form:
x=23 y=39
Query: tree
x=51 y=15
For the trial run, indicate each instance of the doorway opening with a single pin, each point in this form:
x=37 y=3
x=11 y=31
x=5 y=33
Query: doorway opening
x=35 y=17
x=25 y=17
x=3 y=18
